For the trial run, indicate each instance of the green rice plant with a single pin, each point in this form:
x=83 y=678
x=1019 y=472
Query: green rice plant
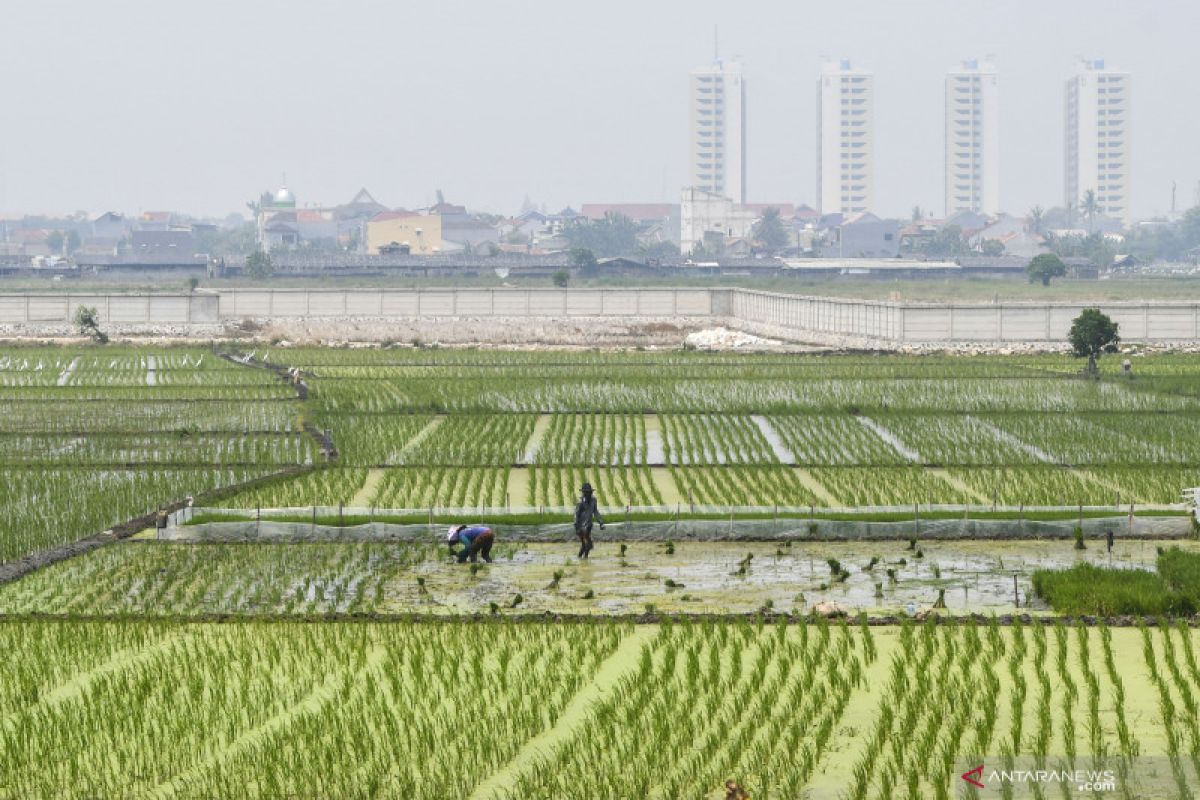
x=833 y=440
x=321 y=487
x=1181 y=571
x=1104 y=591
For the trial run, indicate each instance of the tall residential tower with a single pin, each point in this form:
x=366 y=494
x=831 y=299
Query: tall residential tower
x=972 y=139
x=718 y=130
x=845 y=139
x=1098 y=139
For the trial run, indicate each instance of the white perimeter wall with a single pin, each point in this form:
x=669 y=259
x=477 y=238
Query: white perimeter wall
x=888 y=322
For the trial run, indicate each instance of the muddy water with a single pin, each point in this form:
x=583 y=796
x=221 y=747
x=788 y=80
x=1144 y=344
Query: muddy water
x=709 y=577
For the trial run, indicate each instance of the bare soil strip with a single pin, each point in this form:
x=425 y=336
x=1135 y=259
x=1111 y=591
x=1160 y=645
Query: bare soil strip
x=843 y=750
x=517 y=489
x=667 y=488
x=816 y=487
x=1089 y=475
x=574 y=715
x=655 y=453
x=892 y=439
x=121 y=660
x=1005 y=436
x=422 y=435
x=311 y=704
x=959 y=485
x=769 y=433
x=362 y=499
x=535 y=439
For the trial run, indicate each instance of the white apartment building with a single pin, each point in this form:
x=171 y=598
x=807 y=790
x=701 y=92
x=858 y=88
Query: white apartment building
x=1098 y=139
x=718 y=129
x=845 y=139
x=972 y=139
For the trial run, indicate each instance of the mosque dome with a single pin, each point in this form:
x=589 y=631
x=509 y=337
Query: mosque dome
x=285 y=197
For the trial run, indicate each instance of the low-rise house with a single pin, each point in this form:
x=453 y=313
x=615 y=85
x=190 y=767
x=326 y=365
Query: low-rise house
x=865 y=235
x=421 y=232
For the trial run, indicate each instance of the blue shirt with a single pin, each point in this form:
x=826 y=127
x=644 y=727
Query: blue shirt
x=468 y=536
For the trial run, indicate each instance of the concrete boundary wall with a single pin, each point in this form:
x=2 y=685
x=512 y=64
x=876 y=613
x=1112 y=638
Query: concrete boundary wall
x=797 y=317
x=420 y=303
x=915 y=323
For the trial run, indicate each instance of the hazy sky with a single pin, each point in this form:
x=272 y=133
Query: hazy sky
x=137 y=105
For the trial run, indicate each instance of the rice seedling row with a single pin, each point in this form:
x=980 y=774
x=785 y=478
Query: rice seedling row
x=43 y=508
x=603 y=440
x=558 y=486
x=443 y=487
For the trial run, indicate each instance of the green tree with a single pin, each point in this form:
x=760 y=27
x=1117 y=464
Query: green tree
x=583 y=260
x=561 y=278
x=992 y=247
x=770 y=231
x=227 y=241
x=946 y=243
x=615 y=235
x=917 y=214
x=54 y=241
x=1045 y=266
x=1092 y=334
x=663 y=249
x=87 y=322
x=259 y=265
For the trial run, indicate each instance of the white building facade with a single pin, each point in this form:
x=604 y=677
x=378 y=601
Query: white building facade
x=972 y=139
x=845 y=139
x=1098 y=139
x=702 y=212
x=718 y=129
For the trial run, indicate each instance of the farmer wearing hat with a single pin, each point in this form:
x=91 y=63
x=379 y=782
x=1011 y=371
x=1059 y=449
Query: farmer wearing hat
x=476 y=540
x=586 y=513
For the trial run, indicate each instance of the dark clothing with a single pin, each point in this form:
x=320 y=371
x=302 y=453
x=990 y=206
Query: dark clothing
x=586 y=512
x=476 y=541
x=481 y=546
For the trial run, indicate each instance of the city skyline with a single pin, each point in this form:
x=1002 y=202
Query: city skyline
x=135 y=113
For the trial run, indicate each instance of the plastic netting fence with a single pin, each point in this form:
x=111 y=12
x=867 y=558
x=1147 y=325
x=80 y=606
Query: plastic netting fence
x=267 y=526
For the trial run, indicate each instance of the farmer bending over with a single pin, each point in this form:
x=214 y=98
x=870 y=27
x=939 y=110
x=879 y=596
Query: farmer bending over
x=586 y=513
x=476 y=540
x=733 y=791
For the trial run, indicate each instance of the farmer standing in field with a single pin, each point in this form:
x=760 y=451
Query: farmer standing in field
x=586 y=512
x=476 y=540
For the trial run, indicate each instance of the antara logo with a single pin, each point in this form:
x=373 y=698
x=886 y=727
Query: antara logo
x=973 y=777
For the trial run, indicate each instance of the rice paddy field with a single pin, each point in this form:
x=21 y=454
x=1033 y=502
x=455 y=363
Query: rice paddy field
x=505 y=710
x=897 y=668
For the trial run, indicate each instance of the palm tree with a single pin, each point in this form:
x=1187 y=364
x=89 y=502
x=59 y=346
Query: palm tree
x=1090 y=209
x=1036 y=214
